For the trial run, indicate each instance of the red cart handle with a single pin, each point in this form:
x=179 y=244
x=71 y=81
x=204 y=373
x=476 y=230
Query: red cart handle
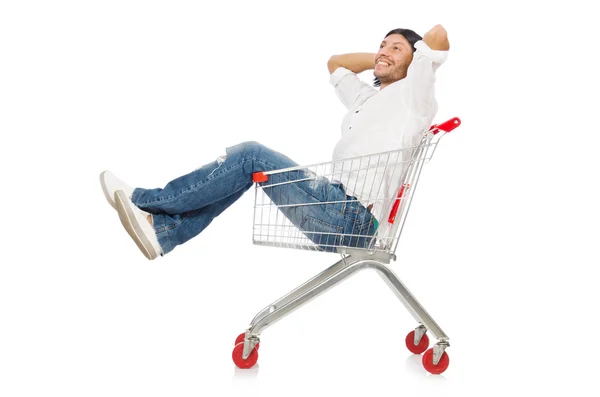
x=446 y=126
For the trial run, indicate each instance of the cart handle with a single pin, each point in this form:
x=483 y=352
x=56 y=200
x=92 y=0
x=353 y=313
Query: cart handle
x=446 y=126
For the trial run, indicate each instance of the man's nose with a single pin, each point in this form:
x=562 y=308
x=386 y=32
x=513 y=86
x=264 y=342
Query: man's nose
x=384 y=52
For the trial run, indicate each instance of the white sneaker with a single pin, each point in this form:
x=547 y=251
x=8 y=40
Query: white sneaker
x=110 y=184
x=135 y=221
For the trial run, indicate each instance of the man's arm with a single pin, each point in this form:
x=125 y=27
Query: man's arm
x=437 y=39
x=356 y=62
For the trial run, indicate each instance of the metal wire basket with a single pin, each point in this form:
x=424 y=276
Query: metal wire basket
x=380 y=187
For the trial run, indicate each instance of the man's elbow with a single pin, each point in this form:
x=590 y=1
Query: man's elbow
x=333 y=64
x=438 y=30
x=437 y=38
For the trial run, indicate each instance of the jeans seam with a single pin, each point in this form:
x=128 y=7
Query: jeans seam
x=164 y=227
x=169 y=227
x=167 y=237
x=193 y=187
x=167 y=244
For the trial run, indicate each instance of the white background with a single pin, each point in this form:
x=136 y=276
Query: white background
x=499 y=245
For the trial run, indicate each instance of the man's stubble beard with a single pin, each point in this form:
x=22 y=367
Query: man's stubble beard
x=397 y=74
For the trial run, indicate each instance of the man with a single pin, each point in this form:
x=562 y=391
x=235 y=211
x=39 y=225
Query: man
x=390 y=118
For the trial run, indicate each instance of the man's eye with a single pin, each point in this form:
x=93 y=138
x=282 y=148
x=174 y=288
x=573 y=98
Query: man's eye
x=396 y=48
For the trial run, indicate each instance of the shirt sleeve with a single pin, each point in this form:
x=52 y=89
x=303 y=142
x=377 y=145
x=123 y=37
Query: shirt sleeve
x=348 y=87
x=421 y=76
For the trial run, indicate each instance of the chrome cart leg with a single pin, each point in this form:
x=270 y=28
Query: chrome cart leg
x=303 y=294
x=410 y=302
x=299 y=291
x=252 y=335
x=434 y=360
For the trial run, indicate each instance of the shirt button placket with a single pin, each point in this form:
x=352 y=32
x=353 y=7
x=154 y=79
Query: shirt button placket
x=356 y=111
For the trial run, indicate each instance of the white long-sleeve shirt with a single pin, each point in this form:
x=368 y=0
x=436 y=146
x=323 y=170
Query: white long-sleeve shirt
x=383 y=120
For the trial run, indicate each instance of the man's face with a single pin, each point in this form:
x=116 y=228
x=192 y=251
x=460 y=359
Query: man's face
x=392 y=60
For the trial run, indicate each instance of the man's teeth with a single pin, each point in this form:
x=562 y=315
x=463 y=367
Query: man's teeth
x=382 y=63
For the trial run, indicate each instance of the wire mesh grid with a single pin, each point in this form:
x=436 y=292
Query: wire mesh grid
x=358 y=203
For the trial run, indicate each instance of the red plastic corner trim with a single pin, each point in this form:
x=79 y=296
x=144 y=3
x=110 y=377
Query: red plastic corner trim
x=259 y=177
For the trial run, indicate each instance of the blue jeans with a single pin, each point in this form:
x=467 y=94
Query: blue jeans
x=188 y=204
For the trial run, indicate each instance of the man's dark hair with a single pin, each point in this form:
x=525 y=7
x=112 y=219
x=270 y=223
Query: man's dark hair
x=410 y=36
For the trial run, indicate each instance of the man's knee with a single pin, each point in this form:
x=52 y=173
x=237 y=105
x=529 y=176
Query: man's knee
x=253 y=145
x=249 y=147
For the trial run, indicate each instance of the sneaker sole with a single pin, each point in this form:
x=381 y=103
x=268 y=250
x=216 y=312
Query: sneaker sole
x=106 y=194
x=132 y=226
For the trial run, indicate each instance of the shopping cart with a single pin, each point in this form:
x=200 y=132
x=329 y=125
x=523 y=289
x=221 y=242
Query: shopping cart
x=366 y=203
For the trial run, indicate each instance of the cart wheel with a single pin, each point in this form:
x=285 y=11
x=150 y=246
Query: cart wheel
x=421 y=347
x=241 y=338
x=238 y=350
x=435 y=369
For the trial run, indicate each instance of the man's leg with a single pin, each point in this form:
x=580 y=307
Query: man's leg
x=176 y=229
x=212 y=182
x=188 y=204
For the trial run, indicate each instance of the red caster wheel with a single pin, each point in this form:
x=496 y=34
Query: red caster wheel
x=416 y=349
x=238 y=350
x=435 y=369
x=241 y=337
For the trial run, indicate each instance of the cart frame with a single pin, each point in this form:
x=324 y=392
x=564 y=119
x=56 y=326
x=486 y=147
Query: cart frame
x=352 y=261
